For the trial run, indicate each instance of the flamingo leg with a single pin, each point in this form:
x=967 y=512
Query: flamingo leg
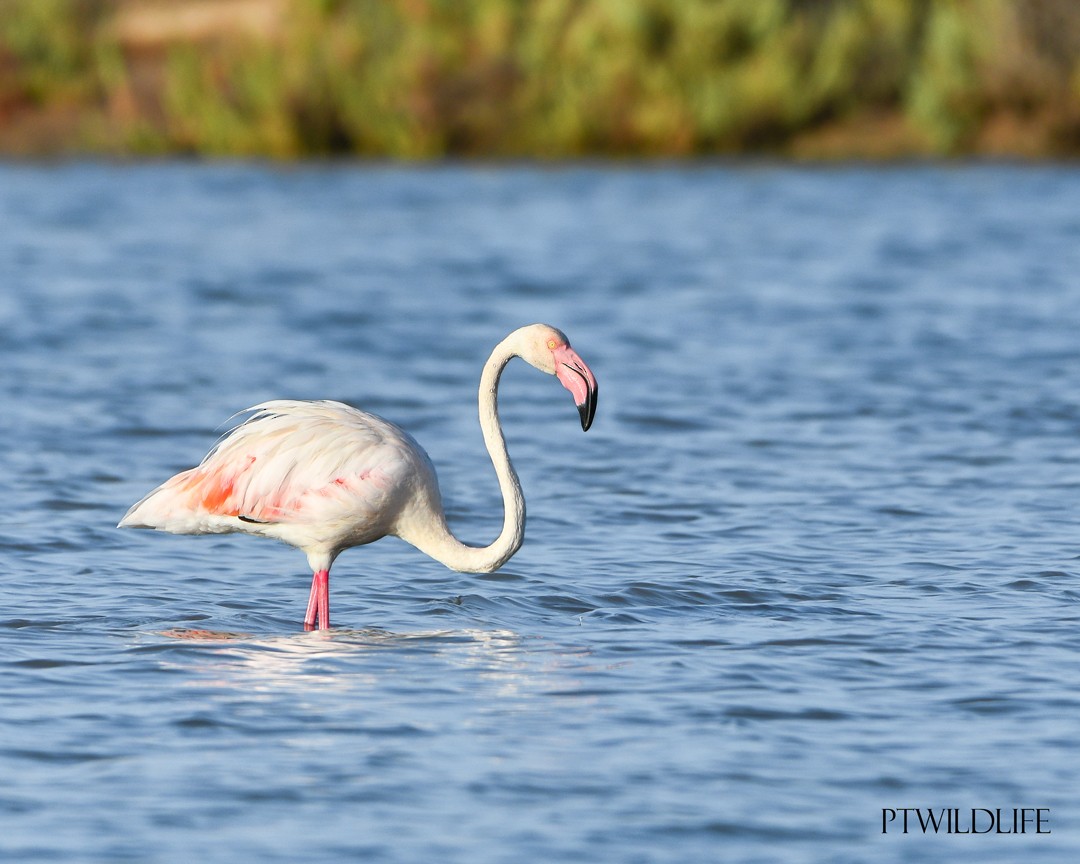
x=318 y=607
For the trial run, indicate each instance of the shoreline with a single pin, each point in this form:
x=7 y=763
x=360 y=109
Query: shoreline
x=408 y=81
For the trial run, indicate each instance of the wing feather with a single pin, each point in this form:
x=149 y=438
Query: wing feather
x=305 y=472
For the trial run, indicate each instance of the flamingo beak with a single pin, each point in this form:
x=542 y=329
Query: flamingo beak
x=579 y=380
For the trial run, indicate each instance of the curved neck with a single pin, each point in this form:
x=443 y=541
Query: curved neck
x=439 y=543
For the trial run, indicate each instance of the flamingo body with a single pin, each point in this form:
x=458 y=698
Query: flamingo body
x=323 y=476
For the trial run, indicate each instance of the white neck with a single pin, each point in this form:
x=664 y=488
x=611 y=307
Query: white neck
x=436 y=540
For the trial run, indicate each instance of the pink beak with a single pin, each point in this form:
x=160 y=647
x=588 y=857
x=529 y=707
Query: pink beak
x=579 y=380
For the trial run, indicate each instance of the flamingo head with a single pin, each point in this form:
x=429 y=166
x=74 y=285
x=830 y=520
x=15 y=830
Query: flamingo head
x=548 y=349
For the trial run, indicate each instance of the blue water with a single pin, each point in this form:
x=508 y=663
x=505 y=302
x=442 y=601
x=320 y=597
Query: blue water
x=817 y=557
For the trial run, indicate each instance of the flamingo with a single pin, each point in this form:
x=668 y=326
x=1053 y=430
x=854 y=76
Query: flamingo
x=323 y=476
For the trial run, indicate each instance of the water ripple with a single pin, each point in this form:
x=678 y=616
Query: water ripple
x=816 y=557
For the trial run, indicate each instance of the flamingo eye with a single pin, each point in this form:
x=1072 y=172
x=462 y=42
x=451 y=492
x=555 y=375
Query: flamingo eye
x=552 y=343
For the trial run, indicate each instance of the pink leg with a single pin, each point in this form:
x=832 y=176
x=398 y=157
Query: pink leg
x=318 y=606
x=324 y=600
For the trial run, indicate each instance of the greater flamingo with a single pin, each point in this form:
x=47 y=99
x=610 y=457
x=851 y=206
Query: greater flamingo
x=323 y=476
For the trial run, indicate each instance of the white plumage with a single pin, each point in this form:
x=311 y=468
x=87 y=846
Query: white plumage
x=313 y=474
x=323 y=476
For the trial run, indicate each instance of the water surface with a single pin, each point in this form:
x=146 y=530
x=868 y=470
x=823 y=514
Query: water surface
x=817 y=556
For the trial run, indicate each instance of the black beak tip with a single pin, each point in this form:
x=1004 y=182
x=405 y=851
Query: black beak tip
x=587 y=410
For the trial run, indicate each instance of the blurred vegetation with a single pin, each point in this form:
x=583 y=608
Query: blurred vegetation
x=541 y=78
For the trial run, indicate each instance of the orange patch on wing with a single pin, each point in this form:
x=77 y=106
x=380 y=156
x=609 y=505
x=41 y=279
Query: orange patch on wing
x=216 y=491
